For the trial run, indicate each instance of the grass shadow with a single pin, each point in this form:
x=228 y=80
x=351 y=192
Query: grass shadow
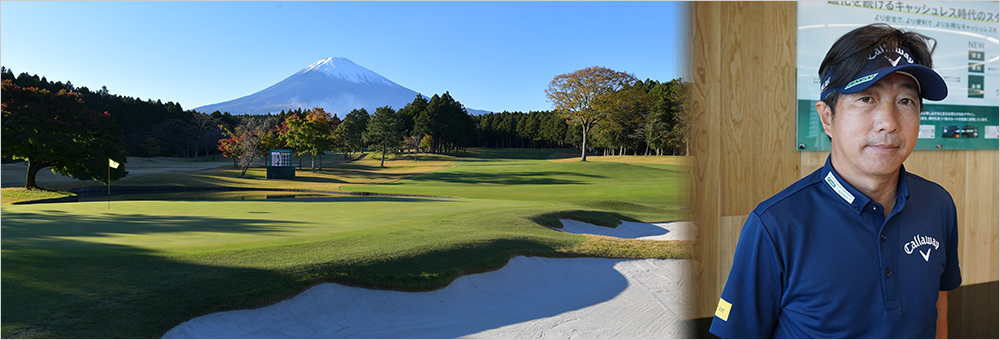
x=370 y=198
x=494 y=178
x=601 y=218
x=520 y=154
x=49 y=231
x=135 y=294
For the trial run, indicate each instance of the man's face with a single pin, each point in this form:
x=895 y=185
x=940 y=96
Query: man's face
x=874 y=130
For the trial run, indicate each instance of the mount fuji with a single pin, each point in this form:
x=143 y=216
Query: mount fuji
x=338 y=85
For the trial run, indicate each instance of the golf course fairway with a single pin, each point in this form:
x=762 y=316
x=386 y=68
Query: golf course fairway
x=137 y=268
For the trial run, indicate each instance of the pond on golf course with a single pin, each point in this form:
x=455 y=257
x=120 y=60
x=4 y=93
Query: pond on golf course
x=206 y=196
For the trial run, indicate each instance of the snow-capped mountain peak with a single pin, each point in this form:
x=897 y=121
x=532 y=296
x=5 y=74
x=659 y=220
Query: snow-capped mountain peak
x=335 y=84
x=345 y=69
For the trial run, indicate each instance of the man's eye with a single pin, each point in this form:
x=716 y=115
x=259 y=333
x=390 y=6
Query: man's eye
x=906 y=101
x=866 y=99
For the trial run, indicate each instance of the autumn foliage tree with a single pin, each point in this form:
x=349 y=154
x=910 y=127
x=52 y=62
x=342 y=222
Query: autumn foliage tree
x=243 y=145
x=135 y=117
x=275 y=137
x=229 y=145
x=586 y=97
x=312 y=135
x=57 y=130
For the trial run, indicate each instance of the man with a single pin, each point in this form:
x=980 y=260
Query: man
x=860 y=248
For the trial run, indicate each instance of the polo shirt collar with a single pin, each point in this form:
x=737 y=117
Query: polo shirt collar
x=855 y=199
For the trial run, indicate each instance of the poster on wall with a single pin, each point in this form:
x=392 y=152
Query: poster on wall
x=966 y=54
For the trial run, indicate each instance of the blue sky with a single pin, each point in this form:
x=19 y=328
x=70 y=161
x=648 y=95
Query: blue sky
x=488 y=55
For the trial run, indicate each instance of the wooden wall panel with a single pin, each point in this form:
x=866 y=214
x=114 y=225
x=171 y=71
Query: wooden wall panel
x=811 y=160
x=741 y=155
x=758 y=74
x=706 y=102
x=982 y=223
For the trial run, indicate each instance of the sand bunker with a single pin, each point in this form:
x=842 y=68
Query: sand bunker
x=668 y=231
x=531 y=297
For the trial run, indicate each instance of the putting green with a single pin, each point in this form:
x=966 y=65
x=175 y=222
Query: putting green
x=198 y=226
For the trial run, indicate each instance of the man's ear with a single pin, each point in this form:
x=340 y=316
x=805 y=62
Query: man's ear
x=825 y=116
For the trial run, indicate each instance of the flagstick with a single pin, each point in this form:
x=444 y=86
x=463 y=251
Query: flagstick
x=111 y=164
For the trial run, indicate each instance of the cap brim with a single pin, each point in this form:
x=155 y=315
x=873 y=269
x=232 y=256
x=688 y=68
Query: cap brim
x=932 y=86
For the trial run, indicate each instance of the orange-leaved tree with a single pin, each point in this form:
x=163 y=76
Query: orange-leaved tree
x=312 y=135
x=57 y=130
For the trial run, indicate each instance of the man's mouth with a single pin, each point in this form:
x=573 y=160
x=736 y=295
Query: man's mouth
x=884 y=147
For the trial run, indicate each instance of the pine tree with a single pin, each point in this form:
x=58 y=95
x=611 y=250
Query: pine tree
x=350 y=131
x=384 y=131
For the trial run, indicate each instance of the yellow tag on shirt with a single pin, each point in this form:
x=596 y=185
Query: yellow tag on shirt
x=723 y=310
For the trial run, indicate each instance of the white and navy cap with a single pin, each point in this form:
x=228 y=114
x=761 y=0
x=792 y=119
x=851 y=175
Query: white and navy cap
x=883 y=62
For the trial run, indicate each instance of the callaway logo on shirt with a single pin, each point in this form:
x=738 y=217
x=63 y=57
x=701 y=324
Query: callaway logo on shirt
x=919 y=241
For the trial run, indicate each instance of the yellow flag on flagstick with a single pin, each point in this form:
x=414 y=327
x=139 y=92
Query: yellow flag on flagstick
x=111 y=164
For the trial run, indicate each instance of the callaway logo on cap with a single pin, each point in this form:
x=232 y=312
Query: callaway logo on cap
x=883 y=62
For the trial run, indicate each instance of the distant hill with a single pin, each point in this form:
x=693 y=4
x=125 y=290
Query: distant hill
x=338 y=85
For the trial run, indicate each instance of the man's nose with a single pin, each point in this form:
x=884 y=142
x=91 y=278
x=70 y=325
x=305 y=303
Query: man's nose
x=886 y=117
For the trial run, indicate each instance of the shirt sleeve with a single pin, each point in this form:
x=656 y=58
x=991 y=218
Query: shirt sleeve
x=751 y=299
x=952 y=276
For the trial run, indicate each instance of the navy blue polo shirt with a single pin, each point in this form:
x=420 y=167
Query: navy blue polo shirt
x=820 y=260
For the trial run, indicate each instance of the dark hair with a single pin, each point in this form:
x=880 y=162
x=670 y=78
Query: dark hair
x=849 y=55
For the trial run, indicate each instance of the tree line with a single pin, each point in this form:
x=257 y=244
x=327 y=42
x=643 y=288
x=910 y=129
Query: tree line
x=438 y=125
x=150 y=128
x=535 y=129
x=55 y=129
x=649 y=118
x=596 y=109
x=617 y=113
